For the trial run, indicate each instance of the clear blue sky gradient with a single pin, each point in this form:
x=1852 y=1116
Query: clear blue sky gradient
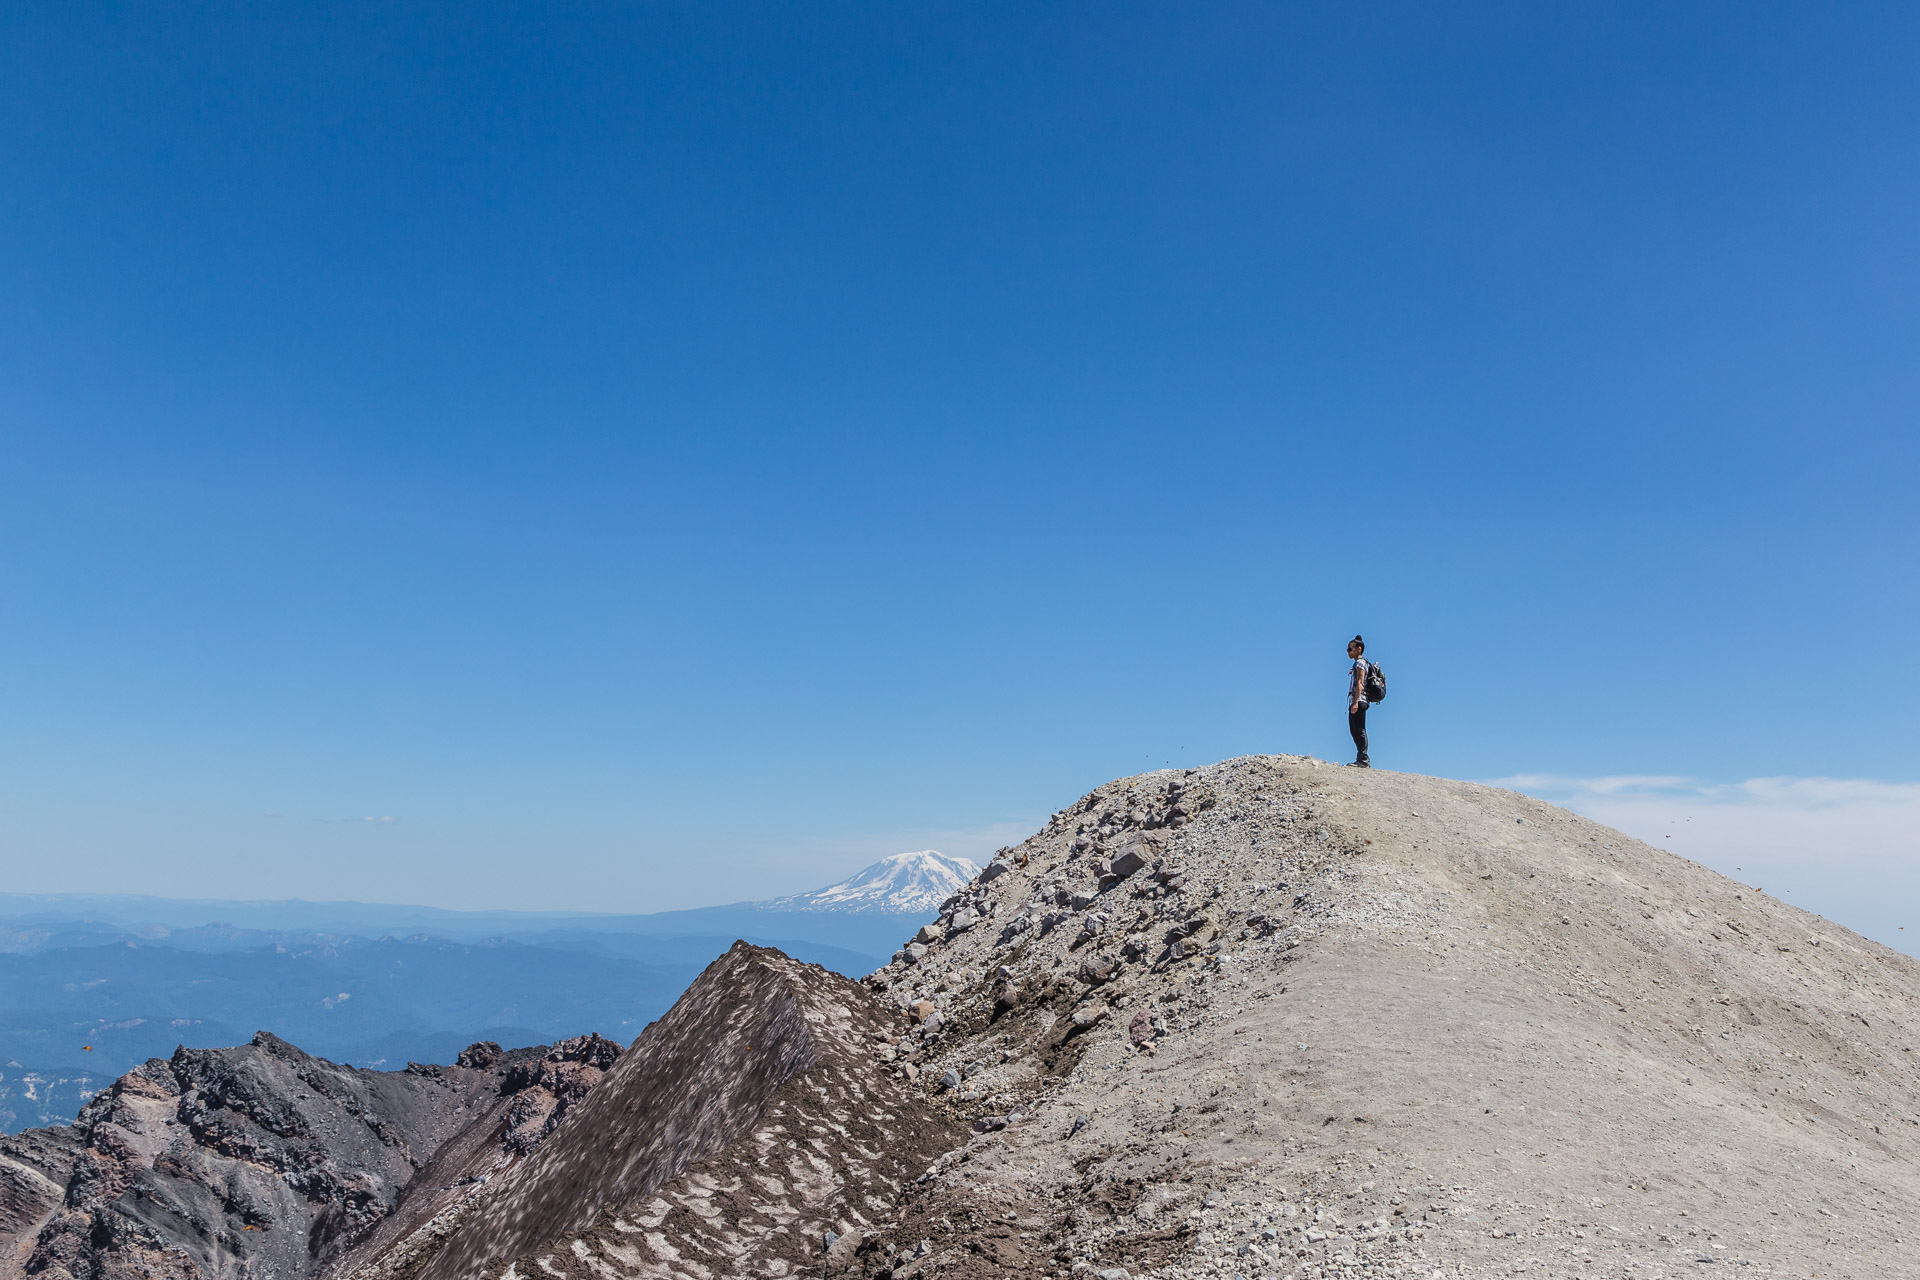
x=642 y=449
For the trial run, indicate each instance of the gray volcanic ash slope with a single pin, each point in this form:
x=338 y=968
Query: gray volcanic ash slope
x=1267 y=1018
x=1315 y=1021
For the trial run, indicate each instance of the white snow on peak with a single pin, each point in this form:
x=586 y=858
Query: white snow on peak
x=902 y=884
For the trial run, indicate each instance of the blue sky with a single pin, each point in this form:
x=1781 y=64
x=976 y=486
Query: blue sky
x=644 y=455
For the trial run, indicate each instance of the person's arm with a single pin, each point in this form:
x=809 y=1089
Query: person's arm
x=1356 y=685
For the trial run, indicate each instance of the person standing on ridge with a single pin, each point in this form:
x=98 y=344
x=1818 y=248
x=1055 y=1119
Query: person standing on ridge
x=1357 y=702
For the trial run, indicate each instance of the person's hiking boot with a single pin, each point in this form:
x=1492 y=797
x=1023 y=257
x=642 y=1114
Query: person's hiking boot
x=1359 y=764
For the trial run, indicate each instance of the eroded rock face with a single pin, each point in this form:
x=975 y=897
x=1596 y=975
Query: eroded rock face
x=263 y=1160
x=733 y=1137
x=35 y=1168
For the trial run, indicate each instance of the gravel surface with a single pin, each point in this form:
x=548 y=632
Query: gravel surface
x=1342 y=1022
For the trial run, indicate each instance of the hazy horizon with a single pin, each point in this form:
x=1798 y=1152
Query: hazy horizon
x=1831 y=847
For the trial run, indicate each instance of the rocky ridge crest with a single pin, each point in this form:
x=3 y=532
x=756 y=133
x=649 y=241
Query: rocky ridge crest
x=742 y=1134
x=1274 y=1018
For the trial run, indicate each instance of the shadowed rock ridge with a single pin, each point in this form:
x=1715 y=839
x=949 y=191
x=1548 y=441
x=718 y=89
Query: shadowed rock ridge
x=735 y=1133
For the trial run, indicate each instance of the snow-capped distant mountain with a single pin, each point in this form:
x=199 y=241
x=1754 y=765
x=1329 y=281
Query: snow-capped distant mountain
x=904 y=884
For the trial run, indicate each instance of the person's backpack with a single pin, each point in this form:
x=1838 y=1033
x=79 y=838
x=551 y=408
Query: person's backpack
x=1376 y=683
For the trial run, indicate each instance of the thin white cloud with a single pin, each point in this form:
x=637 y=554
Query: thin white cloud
x=1533 y=783
x=1848 y=848
x=1824 y=817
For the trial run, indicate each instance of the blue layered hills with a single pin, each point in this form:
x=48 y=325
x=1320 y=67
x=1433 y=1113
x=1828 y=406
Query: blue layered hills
x=91 y=985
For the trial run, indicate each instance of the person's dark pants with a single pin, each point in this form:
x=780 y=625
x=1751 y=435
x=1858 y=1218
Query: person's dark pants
x=1357 y=726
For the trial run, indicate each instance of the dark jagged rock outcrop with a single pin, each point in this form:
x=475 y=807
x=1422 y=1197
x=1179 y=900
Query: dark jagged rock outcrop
x=265 y=1160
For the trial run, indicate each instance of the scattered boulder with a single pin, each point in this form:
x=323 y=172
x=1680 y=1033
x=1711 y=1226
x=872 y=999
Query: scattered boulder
x=1192 y=937
x=1136 y=850
x=842 y=1249
x=480 y=1056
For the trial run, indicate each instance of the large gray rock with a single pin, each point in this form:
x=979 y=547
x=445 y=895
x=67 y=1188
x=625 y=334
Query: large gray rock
x=1134 y=852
